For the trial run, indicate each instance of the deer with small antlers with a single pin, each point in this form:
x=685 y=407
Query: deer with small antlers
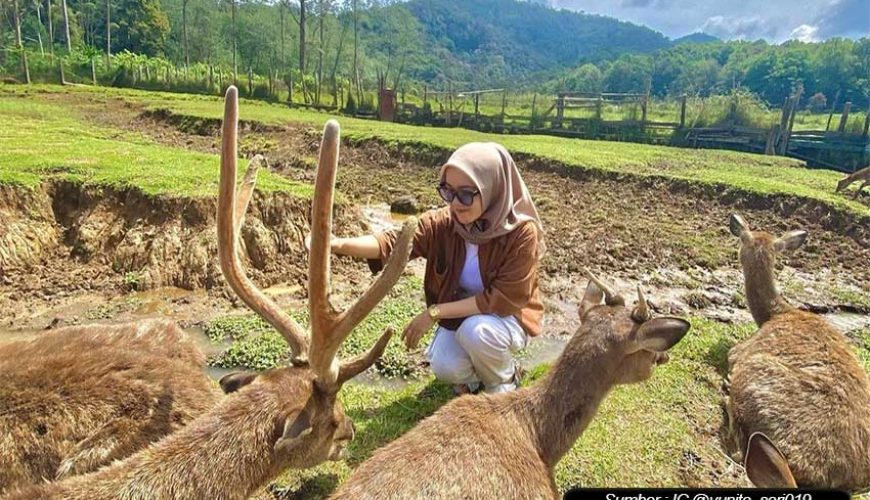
x=860 y=175
x=77 y=398
x=507 y=445
x=286 y=417
x=796 y=379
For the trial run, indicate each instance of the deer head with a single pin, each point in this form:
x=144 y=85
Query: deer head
x=312 y=425
x=758 y=246
x=639 y=341
x=758 y=251
x=844 y=183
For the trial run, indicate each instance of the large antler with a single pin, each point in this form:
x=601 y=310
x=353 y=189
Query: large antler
x=230 y=216
x=328 y=327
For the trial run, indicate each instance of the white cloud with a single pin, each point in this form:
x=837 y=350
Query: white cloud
x=805 y=33
x=752 y=27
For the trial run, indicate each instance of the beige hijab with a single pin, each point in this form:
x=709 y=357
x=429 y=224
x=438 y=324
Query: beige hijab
x=505 y=198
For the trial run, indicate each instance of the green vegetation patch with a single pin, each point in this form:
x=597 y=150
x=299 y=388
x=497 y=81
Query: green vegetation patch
x=722 y=170
x=257 y=345
x=47 y=141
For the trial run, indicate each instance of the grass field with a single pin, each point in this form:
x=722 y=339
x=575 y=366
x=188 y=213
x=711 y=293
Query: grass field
x=720 y=169
x=48 y=141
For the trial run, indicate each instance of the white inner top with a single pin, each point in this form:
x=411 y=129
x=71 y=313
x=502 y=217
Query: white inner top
x=470 y=280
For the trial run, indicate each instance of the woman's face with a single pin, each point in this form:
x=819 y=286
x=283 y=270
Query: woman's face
x=457 y=180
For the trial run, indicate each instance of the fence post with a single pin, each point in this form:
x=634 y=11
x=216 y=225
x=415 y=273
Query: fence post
x=62 y=76
x=599 y=105
x=769 y=146
x=645 y=102
x=866 y=123
x=449 y=103
x=476 y=108
x=683 y=111
x=503 y=105
x=250 y=82
x=831 y=114
x=783 y=123
x=560 y=109
x=844 y=117
x=533 y=120
x=792 y=111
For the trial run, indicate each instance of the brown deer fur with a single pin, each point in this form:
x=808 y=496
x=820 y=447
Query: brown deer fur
x=286 y=417
x=861 y=175
x=796 y=379
x=75 y=399
x=507 y=445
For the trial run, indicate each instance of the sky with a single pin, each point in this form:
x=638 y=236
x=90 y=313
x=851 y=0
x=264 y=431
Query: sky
x=771 y=20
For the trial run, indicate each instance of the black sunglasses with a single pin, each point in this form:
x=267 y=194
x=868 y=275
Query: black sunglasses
x=464 y=195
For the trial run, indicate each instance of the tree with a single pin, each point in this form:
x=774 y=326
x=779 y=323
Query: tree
x=586 y=78
x=142 y=27
x=818 y=102
x=66 y=26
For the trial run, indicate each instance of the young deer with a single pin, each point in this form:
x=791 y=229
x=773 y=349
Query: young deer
x=796 y=379
x=285 y=417
x=861 y=175
x=77 y=398
x=507 y=445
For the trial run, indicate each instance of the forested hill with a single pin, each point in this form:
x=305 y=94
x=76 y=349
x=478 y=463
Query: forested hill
x=515 y=40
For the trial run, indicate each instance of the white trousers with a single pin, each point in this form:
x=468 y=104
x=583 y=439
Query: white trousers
x=479 y=351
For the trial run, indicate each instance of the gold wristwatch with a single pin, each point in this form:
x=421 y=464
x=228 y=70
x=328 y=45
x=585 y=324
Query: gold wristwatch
x=434 y=312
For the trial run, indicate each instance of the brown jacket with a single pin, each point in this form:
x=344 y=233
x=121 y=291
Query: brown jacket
x=508 y=268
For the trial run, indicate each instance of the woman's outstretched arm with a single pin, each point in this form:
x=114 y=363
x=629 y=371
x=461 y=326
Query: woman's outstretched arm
x=361 y=247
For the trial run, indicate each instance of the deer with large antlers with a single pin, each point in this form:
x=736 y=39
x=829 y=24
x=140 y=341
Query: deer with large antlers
x=283 y=418
x=796 y=379
x=507 y=445
x=77 y=398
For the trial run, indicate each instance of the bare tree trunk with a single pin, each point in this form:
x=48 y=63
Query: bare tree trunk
x=281 y=17
x=322 y=48
x=184 y=31
x=235 y=46
x=17 y=18
x=108 y=34
x=50 y=32
x=39 y=28
x=355 y=75
x=335 y=66
x=66 y=27
x=302 y=36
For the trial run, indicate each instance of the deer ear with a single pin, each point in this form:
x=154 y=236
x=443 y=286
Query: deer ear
x=297 y=425
x=765 y=464
x=790 y=241
x=660 y=334
x=738 y=227
x=591 y=298
x=235 y=381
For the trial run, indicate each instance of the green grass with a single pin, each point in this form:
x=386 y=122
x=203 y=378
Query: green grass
x=256 y=345
x=48 y=141
x=722 y=170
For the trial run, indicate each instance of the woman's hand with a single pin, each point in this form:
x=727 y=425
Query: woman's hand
x=416 y=329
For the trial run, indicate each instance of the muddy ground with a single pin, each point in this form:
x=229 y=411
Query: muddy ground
x=676 y=243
